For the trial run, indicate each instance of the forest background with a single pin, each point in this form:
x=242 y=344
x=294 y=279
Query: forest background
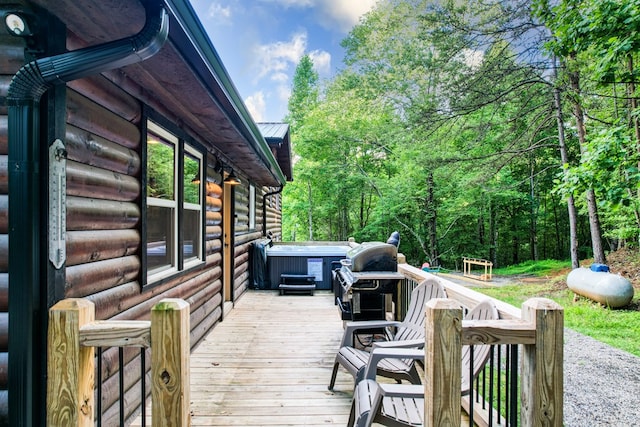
x=503 y=130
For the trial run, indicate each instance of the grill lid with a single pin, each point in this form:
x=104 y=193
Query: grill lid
x=373 y=256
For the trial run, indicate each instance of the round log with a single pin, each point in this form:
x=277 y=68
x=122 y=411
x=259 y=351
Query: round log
x=110 y=96
x=213 y=232
x=4 y=134
x=11 y=54
x=213 y=218
x=86 y=279
x=4 y=370
x=88 y=115
x=4 y=253
x=213 y=246
x=112 y=301
x=94 y=214
x=177 y=288
x=214 y=204
x=84 y=180
x=4 y=174
x=87 y=148
x=97 y=245
x=214 y=190
x=4 y=213
x=4 y=292
x=4 y=331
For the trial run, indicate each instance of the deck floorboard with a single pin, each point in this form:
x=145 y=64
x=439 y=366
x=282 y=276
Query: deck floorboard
x=269 y=363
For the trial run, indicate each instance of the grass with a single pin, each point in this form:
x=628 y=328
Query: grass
x=619 y=328
x=541 y=268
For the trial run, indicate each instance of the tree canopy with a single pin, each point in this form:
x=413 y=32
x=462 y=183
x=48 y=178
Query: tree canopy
x=451 y=123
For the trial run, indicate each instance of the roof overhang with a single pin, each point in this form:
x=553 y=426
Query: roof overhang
x=278 y=137
x=186 y=77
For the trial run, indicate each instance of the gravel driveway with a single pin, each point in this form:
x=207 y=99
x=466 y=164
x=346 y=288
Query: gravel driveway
x=601 y=384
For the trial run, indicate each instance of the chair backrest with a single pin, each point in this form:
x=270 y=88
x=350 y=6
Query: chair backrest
x=485 y=310
x=413 y=323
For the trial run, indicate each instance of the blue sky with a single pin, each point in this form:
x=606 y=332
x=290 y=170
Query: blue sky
x=261 y=41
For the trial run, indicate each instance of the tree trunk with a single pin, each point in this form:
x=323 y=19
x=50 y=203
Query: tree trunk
x=493 y=232
x=431 y=215
x=594 y=221
x=533 y=227
x=631 y=88
x=310 y=212
x=571 y=206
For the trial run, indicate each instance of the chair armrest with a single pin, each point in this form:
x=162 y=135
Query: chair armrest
x=377 y=354
x=412 y=391
x=353 y=327
x=400 y=344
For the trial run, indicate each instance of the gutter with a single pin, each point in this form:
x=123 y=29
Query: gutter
x=264 y=208
x=26 y=226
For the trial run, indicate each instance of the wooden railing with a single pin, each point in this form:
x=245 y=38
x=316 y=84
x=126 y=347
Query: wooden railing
x=72 y=337
x=536 y=330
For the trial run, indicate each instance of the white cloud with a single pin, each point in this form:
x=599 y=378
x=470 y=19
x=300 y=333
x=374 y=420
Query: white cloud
x=290 y=3
x=280 y=56
x=257 y=106
x=321 y=61
x=343 y=14
x=219 y=13
x=280 y=77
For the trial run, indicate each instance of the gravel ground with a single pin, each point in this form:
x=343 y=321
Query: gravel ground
x=601 y=384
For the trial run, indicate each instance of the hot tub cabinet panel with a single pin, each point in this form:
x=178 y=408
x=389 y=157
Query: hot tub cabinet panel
x=304 y=259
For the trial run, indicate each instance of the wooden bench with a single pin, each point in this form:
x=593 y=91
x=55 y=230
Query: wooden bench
x=297 y=283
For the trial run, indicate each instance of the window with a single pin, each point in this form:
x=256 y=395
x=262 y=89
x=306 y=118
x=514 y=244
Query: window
x=252 y=207
x=174 y=205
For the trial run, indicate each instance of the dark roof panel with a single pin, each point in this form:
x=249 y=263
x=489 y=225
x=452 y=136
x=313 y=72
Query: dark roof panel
x=277 y=136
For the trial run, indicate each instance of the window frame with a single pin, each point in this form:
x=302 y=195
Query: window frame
x=183 y=145
x=252 y=207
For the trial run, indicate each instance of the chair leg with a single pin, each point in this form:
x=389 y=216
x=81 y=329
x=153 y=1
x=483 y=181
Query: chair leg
x=352 y=414
x=333 y=375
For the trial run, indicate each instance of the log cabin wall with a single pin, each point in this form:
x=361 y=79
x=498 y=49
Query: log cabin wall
x=246 y=231
x=11 y=59
x=103 y=135
x=274 y=214
x=103 y=229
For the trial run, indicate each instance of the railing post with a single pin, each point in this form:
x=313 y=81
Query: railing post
x=542 y=365
x=170 y=351
x=443 y=355
x=70 y=368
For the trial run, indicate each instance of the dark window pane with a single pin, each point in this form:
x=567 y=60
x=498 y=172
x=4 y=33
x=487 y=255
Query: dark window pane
x=191 y=248
x=160 y=239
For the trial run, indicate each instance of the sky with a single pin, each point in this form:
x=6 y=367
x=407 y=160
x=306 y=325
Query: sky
x=261 y=42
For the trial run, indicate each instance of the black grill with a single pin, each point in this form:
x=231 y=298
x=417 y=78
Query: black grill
x=365 y=278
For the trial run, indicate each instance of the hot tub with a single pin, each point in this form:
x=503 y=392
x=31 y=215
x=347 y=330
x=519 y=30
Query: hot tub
x=301 y=258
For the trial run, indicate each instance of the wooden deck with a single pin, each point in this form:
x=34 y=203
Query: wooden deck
x=269 y=363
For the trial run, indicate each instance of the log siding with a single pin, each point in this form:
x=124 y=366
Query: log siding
x=104 y=126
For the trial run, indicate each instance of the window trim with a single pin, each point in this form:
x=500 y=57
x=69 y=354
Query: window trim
x=252 y=207
x=157 y=124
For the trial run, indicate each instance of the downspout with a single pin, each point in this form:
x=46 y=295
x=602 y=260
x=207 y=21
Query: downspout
x=264 y=208
x=26 y=233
